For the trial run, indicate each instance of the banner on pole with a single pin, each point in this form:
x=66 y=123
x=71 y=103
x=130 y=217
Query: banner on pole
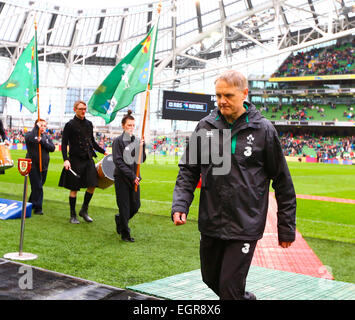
x=23 y=81
x=126 y=80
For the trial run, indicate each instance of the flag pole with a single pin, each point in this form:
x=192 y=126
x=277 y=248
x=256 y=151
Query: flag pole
x=147 y=99
x=142 y=136
x=38 y=111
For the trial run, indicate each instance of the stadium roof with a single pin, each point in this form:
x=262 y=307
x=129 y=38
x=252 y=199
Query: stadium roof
x=195 y=37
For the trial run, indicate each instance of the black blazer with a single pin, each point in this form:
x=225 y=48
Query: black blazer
x=79 y=135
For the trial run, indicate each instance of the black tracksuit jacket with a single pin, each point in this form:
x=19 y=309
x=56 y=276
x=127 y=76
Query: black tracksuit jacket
x=33 y=150
x=234 y=206
x=126 y=164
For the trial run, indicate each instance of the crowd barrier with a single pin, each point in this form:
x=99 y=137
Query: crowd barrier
x=311 y=159
x=22 y=146
x=17 y=146
x=336 y=161
x=58 y=147
x=314 y=160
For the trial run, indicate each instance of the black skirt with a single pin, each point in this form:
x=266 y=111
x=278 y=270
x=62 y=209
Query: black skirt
x=85 y=169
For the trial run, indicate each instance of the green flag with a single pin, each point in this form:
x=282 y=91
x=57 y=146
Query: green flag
x=127 y=79
x=22 y=84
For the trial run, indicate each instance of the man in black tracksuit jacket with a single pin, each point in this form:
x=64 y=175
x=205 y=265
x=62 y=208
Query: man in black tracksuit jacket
x=234 y=203
x=37 y=177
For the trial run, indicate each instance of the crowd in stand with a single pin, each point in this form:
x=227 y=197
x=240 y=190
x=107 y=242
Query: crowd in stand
x=16 y=136
x=302 y=111
x=295 y=111
x=160 y=145
x=296 y=65
x=322 y=61
x=103 y=140
x=326 y=147
x=329 y=64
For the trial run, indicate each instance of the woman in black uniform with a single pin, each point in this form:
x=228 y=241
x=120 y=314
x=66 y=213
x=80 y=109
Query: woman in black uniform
x=125 y=153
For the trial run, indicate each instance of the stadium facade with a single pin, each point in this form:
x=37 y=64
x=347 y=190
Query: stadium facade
x=78 y=47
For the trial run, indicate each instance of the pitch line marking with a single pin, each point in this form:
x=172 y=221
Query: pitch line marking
x=327 y=222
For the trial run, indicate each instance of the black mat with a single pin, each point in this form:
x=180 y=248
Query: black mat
x=19 y=281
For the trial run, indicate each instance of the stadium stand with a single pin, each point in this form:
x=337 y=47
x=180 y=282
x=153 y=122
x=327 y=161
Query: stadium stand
x=308 y=111
x=310 y=101
x=338 y=59
x=318 y=146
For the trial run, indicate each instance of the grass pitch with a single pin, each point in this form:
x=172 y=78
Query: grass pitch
x=95 y=252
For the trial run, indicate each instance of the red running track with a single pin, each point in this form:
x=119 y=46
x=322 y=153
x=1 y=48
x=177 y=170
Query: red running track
x=299 y=258
x=320 y=198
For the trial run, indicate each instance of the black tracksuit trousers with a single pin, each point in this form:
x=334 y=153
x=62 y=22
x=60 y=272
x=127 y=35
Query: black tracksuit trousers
x=37 y=180
x=225 y=265
x=128 y=202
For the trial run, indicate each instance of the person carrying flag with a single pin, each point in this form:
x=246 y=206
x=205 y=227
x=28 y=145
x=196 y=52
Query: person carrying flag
x=125 y=158
x=38 y=177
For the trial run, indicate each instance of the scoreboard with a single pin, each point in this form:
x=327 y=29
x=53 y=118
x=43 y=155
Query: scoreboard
x=186 y=105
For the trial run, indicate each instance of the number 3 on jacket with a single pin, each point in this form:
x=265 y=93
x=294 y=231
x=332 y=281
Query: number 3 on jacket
x=246 y=247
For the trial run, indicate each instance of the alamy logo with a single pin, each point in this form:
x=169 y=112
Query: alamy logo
x=26 y=281
x=212 y=147
x=130 y=157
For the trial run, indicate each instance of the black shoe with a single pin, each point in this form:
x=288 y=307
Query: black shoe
x=84 y=214
x=117 y=224
x=128 y=239
x=249 y=296
x=73 y=219
x=39 y=212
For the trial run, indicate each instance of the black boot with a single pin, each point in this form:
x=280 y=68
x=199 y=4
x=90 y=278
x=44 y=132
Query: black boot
x=84 y=214
x=128 y=238
x=73 y=218
x=249 y=296
x=117 y=224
